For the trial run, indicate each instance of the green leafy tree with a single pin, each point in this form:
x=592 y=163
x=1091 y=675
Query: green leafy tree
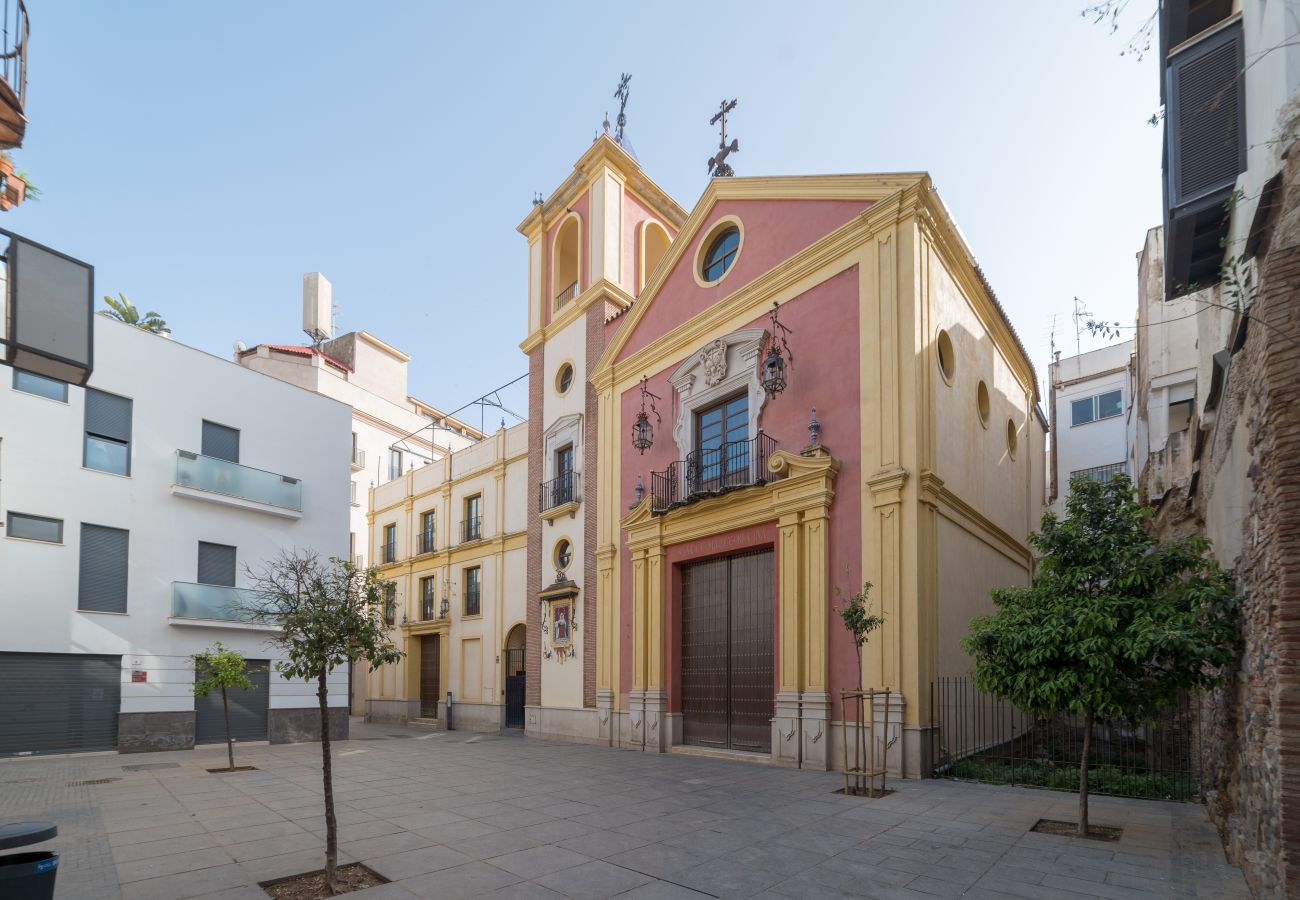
x=1116 y=623
x=124 y=310
x=220 y=669
x=328 y=614
x=860 y=621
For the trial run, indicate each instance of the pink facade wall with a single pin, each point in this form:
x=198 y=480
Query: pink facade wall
x=826 y=345
x=774 y=230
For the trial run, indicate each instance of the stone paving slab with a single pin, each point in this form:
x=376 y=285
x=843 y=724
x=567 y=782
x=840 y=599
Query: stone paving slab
x=482 y=815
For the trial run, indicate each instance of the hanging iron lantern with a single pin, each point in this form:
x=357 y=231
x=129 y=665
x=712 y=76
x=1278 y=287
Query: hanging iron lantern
x=643 y=435
x=775 y=362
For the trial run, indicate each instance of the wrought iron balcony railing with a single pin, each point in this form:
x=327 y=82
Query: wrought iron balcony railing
x=14 y=29
x=390 y=551
x=426 y=542
x=563 y=488
x=212 y=601
x=471 y=530
x=708 y=473
x=218 y=476
x=567 y=294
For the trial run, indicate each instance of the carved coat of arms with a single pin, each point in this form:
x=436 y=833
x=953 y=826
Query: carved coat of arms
x=714 y=360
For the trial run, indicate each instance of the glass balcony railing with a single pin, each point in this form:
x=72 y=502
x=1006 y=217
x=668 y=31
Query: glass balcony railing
x=207 y=473
x=212 y=601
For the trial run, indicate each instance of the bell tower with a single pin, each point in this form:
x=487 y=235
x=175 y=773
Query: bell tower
x=592 y=245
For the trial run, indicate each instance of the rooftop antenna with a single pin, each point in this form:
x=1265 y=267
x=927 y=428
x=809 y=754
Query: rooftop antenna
x=718 y=166
x=1080 y=313
x=621 y=96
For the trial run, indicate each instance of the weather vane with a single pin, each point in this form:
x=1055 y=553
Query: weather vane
x=718 y=166
x=621 y=96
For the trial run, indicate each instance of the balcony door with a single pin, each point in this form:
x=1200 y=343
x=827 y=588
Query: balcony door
x=721 y=445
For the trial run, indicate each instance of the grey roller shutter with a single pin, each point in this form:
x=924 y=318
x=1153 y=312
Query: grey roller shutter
x=56 y=702
x=247 y=709
x=216 y=564
x=108 y=415
x=220 y=441
x=102 y=585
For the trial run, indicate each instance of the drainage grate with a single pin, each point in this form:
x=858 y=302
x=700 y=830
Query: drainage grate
x=92 y=781
x=22 y=781
x=399 y=736
x=149 y=767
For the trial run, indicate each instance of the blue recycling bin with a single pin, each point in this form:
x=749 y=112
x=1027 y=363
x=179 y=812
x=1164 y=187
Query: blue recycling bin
x=30 y=875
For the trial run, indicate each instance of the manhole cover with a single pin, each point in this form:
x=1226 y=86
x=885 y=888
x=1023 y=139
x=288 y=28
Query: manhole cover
x=91 y=781
x=149 y=767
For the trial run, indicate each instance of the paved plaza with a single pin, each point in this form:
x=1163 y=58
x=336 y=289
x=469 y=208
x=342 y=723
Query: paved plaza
x=450 y=815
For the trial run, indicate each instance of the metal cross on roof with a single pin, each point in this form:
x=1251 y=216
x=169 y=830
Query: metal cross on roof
x=621 y=96
x=718 y=166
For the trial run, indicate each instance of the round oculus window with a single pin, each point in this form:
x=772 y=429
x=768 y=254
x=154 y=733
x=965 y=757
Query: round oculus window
x=564 y=380
x=721 y=254
x=563 y=555
x=947 y=358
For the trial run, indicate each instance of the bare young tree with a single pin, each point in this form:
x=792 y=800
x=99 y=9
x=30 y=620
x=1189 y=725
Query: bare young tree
x=329 y=613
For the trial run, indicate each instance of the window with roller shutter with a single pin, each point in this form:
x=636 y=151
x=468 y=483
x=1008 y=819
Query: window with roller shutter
x=216 y=564
x=102 y=583
x=220 y=441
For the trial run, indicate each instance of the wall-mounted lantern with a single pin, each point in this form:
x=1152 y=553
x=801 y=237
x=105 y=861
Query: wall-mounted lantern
x=643 y=435
x=445 y=606
x=778 y=351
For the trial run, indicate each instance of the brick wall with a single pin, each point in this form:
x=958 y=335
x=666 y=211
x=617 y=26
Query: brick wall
x=1251 y=725
x=533 y=638
x=595 y=346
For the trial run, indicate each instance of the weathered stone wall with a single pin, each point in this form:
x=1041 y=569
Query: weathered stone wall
x=297 y=726
x=141 y=732
x=1251 y=725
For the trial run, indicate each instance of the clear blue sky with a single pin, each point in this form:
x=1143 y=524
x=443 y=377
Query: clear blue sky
x=203 y=156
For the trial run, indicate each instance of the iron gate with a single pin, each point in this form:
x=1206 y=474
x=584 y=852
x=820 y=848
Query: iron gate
x=515 y=682
x=727 y=659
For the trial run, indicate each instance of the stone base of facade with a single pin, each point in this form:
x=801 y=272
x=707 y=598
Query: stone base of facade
x=392 y=712
x=580 y=726
x=466 y=716
x=148 y=732
x=302 y=725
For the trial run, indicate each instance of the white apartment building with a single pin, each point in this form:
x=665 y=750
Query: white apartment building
x=391 y=431
x=1090 y=402
x=131 y=510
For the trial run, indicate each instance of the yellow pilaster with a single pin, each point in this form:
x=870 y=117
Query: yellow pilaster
x=792 y=644
x=883 y=656
x=815 y=599
x=654 y=619
x=639 y=637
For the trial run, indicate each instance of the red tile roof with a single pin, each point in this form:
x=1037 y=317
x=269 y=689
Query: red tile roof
x=306 y=351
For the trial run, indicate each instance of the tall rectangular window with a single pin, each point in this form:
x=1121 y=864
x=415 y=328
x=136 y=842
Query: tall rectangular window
x=108 y=433
x=390 y=543
x=390 y=604
x=562 y=490
x=30 y=383
x=216 y=564
x=472 y=526
x=428 y=598
x=428 y=522
x=473 y=591
x=35 y=528
x=220 y=441
x=394 y=463
x=102 y=583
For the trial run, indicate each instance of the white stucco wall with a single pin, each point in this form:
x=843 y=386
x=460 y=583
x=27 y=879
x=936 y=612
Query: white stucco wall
x=1101 y=442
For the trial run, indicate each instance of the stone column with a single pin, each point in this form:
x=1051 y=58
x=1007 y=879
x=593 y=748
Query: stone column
x=816 y=699
x=787 y=723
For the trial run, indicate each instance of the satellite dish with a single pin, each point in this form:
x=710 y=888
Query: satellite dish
x=240 y=346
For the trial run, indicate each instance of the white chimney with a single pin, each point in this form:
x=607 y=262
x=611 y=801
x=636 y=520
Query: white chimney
x=317 y=302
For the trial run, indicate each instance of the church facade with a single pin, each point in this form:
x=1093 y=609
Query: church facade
x=740 y=414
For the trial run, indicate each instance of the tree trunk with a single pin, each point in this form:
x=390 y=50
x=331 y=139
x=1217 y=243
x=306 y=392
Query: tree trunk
x=327 y=772
x=230 y=744
x=1083 y=775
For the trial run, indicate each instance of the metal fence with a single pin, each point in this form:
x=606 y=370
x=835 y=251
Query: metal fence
x=981 y=738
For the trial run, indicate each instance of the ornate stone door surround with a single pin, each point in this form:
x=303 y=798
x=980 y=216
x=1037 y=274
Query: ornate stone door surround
x=799 y=502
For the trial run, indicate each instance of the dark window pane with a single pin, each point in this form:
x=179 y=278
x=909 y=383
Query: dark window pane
x=1110 y=404
x=220 y=441
x=30 y=383
x=108 y=455
x=36 y=528
x=722 y=253
x=216 y=564
x=1081 y=412
x=108 y=415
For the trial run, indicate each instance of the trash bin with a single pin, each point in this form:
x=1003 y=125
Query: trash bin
x=27 y=876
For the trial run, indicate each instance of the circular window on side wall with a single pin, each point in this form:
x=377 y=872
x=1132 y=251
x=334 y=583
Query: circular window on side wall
x=564 y=378
x=563 y=555
x=1012 y=438
x=720 y=255
x=982 y=403
x=947 y=358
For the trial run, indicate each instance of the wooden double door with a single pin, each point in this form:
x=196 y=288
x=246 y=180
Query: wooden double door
x=727 y=659
x=430 y=675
